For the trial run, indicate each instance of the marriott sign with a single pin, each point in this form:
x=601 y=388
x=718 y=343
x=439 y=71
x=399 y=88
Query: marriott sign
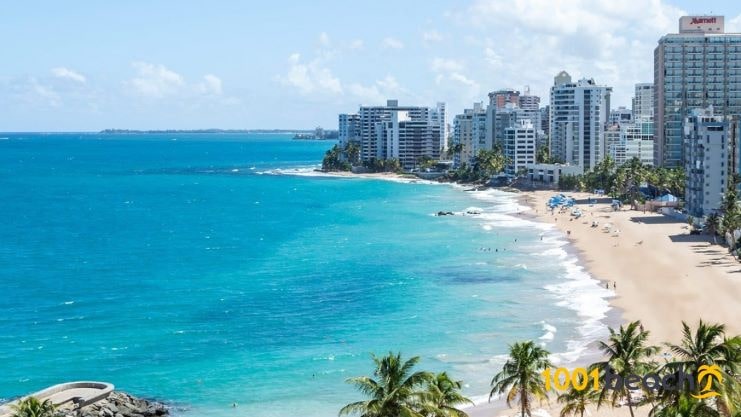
x=701 y=24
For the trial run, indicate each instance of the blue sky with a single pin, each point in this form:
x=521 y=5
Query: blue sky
x=90 y=65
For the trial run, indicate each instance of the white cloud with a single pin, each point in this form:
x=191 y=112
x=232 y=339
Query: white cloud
x=456 y=76
x=154 y=81
x=378 y=92
x=44 y=93
x=310 y=77
x=492 y=57
x=356 y=44
x=610 y=41
x=445 y=65
x=432 y=36
x=392 y=43
x=211 y=85
x=324 y=39
x=733 y=25
x=68 y=74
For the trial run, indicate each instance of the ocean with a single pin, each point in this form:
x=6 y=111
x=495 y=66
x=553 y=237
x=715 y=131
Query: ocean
x=206 y=270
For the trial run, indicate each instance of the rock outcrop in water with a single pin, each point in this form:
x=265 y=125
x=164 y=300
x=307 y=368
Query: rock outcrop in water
x=120 y=404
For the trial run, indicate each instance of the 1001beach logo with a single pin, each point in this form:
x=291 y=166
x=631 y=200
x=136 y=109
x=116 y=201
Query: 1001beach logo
x=680 y=380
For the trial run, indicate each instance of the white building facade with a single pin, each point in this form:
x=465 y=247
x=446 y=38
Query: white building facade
x=708 y=161
x=406 y=133
x=578 y=114
x=520 y=146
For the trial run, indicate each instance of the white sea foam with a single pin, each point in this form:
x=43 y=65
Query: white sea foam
x=577 y=290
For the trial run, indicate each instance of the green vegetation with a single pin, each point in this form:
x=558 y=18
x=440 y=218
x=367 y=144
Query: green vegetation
x=382 y=165
x=32 y=407
x=575 y=402
x=395 y=390
x=485 y=164
x=623 y=182
x=520 y=379
x=333 y=160
x=627 y=354
x=341 y=159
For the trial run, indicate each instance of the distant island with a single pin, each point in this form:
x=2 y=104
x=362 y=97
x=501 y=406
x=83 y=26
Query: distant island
x=134 y=131
x=304 y=134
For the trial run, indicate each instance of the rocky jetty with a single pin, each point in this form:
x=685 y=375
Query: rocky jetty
x=119 y=404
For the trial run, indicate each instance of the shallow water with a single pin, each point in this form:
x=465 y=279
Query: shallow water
x=201 y=270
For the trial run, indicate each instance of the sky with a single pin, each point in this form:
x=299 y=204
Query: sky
x=91 y=65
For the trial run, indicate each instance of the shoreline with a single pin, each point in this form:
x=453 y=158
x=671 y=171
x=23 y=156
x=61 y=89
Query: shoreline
x=657 y=266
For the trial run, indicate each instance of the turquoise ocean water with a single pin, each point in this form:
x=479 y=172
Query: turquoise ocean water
x=205 y=270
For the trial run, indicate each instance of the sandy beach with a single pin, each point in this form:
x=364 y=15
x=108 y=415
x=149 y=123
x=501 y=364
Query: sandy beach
x=660 y=273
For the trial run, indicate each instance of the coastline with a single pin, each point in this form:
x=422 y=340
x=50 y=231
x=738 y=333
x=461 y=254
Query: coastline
x=659 y=284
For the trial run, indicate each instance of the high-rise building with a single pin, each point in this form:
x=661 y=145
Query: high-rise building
x=469 y=131
x=519 y=146
x=349 y=129
x=631 y=140
x=545 y=116
x=709 y=160
x=578 y=115
x=621 y=115
x=521 y=107
x=698 y=67
x=500 y=98
x=643 y=101
x=406 y=133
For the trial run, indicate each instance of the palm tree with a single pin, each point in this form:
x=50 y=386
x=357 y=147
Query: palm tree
x=627 y=353
x=704 y=346
x=712 y=225
x=707 y=345
x=32 y=407
x=442 y=397
x=576 y=401
x=684 y=406
x=394 y=392
x=520 y=377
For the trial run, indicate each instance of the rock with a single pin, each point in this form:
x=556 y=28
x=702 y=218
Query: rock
x=120 y=404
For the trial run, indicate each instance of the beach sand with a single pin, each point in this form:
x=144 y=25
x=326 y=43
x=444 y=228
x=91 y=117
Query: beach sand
x=662 y=274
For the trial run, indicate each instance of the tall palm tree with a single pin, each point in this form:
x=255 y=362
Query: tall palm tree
x=443 y=396
x=521 y=378
x=704 y=346
x=32 y=407
x=393 y=393
x=575 y=402
x=707 y=345
x=628 y=353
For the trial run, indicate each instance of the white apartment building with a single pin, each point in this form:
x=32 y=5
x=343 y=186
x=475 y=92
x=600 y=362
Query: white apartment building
x=349 y=129
x=621 y=115
x=578 y=115
x=405 y=133
x=643 y=101
x=520 y=146
x=469 y=131
x=708 y=160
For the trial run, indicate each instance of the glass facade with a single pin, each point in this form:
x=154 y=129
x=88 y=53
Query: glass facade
x=693 y=71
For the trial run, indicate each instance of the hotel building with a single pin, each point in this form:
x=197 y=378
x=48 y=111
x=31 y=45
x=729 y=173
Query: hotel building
x=698 y=67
